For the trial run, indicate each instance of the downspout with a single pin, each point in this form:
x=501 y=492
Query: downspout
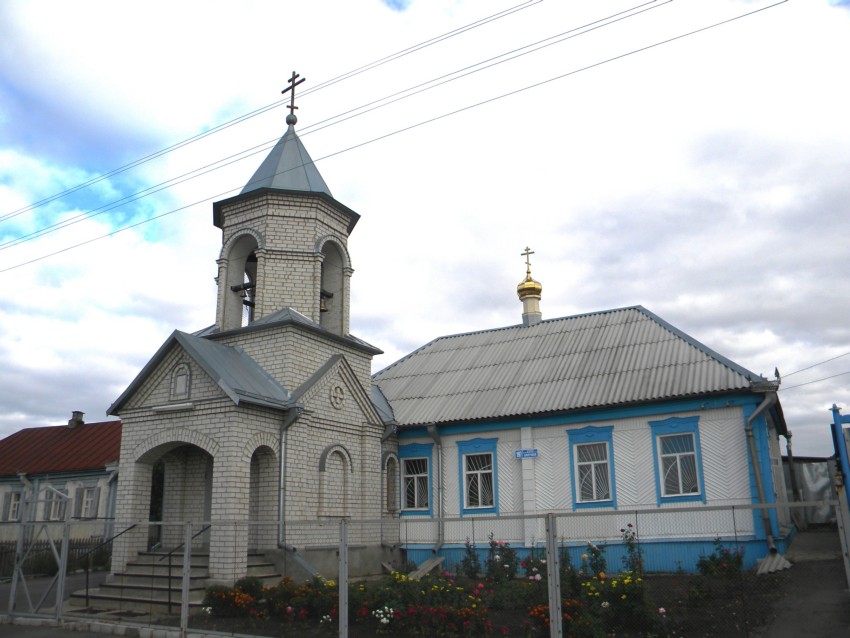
x=292 y=415
x=25 y=480
x=441 y=527
x=792 y=472
x=769 y=400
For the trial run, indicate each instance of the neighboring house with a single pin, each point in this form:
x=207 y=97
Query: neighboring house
x=605 y=412
x=59 y=473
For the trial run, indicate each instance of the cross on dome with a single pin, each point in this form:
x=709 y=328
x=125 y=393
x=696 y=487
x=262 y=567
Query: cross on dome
x=292 y=118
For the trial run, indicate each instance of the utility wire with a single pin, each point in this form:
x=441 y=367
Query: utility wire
x=800 y=385
x=338 y=119
x=814 y=365
x=431 y=120
x=238 y=120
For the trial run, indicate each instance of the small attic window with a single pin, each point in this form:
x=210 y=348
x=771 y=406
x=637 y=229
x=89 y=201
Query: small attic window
x=180 y=382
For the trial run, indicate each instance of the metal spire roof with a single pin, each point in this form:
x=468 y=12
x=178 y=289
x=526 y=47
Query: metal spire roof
x=288 y=167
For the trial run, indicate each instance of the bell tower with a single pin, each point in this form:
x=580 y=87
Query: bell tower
x=284 y=241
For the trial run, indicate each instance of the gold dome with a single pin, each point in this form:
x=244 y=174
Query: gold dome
x=529 y=287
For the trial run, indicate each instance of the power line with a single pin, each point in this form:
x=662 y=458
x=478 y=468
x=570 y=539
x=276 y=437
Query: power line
x=238 y=120
x=338 y=119
x=429 y=121
x=814 y=365
x=800 y=385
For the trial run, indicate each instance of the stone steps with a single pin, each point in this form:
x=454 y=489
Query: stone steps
x=151 y=585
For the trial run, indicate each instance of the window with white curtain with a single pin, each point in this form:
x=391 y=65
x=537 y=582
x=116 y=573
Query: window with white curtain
x=678 y=465
x=677 y=458
x=592 y=474
x=415 y=484
x=478 y=480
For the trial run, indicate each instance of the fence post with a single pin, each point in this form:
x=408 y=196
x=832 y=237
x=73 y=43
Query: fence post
x=17 y=565
x=342 y=581
x=843 y=519
x=63 y=567
x=553 y=563
x=187 y=571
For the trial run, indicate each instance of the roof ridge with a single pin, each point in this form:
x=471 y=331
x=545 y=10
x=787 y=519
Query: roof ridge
x=500 y=329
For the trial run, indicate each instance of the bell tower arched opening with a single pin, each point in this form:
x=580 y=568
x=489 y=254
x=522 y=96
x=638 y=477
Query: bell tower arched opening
x=240 y=283
x=332 y=294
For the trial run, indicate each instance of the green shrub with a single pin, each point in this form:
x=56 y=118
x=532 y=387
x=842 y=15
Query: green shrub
x=502 y=561
x=723 y=561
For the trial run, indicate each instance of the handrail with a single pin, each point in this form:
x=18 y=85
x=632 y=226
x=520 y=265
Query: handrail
x=181 y=545
x=93 y=549
x=168 y=555
x=107 y=541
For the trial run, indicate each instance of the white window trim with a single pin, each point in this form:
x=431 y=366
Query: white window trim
x=467 y=474
x=593 y=465
x=678 y=457
x=417 y=478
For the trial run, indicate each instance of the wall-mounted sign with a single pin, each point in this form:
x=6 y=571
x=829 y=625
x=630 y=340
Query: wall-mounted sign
x=526 y=454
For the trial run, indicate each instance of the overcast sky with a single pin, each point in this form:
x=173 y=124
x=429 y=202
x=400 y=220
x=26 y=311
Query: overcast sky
x=705 y=178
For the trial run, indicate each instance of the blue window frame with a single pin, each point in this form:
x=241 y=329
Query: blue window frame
x=592 y=467
x=479 y=478
x=677 y=459
x=415 y=460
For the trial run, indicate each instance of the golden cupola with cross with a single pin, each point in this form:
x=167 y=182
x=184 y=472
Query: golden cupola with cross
x=529 y=292
x=284 y=241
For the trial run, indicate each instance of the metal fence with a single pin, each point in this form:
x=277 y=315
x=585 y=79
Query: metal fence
x=161 y=572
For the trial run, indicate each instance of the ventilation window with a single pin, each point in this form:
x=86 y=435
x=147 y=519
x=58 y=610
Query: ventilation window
x=180 y=382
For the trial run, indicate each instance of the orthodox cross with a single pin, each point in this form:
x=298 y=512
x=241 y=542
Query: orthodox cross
x=291 y=87
x=527 y=253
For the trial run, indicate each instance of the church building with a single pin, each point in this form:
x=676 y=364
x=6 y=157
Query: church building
x=266 y=415
x=269 y=423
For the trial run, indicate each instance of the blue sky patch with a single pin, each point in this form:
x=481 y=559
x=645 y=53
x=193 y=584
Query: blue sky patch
x=397 y=5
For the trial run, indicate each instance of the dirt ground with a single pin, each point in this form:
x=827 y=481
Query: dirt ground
x=813 y=600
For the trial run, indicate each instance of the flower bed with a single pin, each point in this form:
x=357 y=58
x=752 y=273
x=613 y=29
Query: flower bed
x=506 y=597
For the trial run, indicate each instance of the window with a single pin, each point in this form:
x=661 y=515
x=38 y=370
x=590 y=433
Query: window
x=479 y=483
x=181 y=379
x=54 y=505
x=415 y=464
x=592 y=465
x=592 y=468
x=678 y=465
x=416 y=484
x=391 y=484
x=478 y=480
x=12 y=506
x=677 y=459
x=86 y=502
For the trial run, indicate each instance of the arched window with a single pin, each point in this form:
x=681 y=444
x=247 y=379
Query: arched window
x=334 y=481
x=332 y=294
x=391 y=484
x=241 y=283
x=181 y=382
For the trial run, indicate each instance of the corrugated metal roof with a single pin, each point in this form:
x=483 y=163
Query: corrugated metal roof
x=242 y=378
x=288 y=167
x=91 y=446
x=607 y=358
x=290 y=316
